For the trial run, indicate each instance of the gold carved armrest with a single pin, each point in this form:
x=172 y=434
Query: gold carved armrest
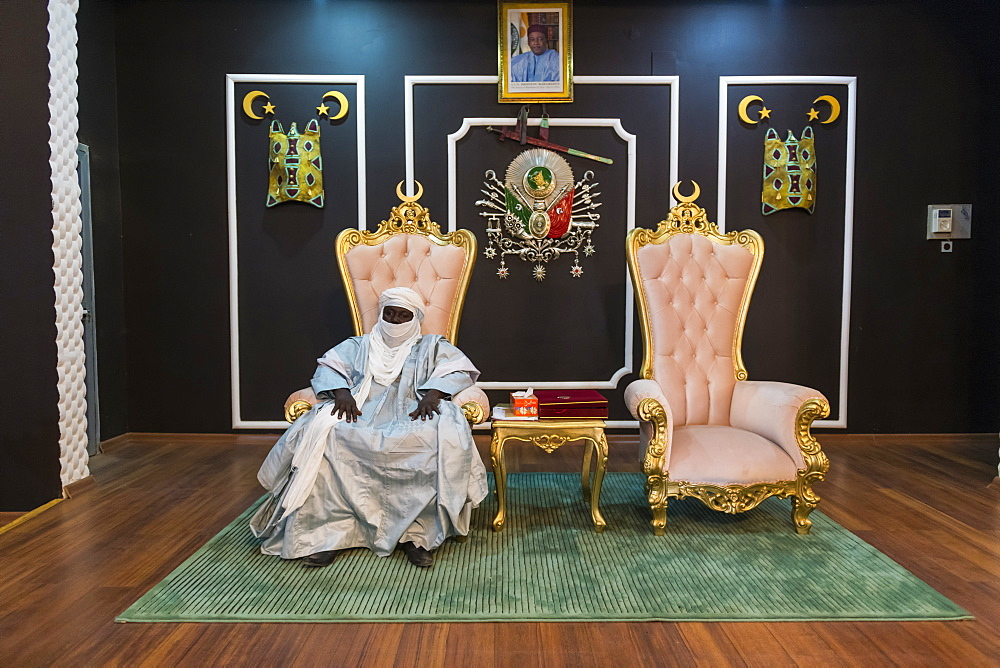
x=474 y=404
x=646 y=402
x=299 y=403
x=783 y=413
x=296 y=409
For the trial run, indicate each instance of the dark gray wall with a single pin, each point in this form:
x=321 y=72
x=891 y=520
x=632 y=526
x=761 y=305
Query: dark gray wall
x=923 y=330
x=99 y=130
x=29 y=420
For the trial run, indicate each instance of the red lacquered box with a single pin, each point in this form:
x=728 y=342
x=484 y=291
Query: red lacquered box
x=580 y=404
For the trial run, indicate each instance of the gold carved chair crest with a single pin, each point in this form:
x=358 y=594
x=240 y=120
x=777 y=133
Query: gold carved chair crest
x=708 y=431
x=407 y=250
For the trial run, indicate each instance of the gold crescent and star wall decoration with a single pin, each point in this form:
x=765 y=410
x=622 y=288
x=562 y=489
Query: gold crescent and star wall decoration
x=538 y=213
x=248 y=102
x=834 y=108
x=324 y=110
x=295 y=162
x=764 y=112
x=789 y=179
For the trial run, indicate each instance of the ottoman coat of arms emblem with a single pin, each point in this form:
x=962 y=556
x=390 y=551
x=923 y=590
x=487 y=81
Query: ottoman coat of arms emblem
x=538 y=213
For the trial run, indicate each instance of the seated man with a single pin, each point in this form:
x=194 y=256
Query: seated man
x=384 y=459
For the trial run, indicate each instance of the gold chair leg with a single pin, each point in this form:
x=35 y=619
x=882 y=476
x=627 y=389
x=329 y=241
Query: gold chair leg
x=659 y=519
x=656 y=489
x=801 y=507
x=600 y=445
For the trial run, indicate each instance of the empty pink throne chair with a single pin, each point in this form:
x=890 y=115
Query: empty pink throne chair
x=708 y=432
x=407 y=250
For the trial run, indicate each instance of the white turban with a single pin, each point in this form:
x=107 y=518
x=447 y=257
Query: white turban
x=404 y=298
x=394 y=335
x=390 y=343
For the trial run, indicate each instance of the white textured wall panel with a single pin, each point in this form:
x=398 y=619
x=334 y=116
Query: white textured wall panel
x=67 y=242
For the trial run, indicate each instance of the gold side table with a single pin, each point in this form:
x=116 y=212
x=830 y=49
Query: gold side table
x=549 y=435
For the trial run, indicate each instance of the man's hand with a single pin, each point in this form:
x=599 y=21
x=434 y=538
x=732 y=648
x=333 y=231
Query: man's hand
x=344 y=405
x=428 y=405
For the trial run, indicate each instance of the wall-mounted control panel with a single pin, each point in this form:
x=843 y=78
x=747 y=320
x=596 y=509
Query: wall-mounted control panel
x=941 y=221
x=949 y=221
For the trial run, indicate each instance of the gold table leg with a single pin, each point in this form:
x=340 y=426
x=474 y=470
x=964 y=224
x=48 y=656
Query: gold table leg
x=500 y=476
x=600 y=444
x=550 y=437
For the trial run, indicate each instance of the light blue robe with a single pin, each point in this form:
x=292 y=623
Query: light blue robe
x=529 y=67
x=386 y=478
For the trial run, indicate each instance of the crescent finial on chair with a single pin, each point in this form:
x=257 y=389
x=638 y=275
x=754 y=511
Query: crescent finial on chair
x=690 y=198
x=402 y=197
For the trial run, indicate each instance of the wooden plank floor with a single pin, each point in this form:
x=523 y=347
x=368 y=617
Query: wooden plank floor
x=923 y=500
x=7 y=518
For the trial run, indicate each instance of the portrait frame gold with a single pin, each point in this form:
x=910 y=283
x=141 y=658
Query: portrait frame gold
x=515 y=18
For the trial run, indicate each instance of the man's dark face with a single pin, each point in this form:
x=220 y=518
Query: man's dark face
x=396 y=315
x=536 y=42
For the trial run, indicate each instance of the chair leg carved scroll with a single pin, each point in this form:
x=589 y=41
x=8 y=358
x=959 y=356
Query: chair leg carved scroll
x=805 y=499
x=651 y=410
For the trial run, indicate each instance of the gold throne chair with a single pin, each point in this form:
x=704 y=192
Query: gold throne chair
x=408 y=250
x=708 y=432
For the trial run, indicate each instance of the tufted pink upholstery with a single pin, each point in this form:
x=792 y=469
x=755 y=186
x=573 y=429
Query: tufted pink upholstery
x=408 y=261
x=694 y=288
x=726 y=456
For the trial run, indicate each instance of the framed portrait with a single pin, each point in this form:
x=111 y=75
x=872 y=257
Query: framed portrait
x=536 y=51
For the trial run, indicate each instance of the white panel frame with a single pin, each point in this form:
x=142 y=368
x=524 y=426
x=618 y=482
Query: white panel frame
x=673 y=81
x=840 y=421
x=357 y=80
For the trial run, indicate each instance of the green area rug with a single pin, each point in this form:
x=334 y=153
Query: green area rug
x=549 y=565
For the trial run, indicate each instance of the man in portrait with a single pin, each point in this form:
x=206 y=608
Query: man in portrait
x=539 y=64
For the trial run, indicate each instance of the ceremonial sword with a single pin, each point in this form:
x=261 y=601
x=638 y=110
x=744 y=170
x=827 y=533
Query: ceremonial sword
x=507 y=133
